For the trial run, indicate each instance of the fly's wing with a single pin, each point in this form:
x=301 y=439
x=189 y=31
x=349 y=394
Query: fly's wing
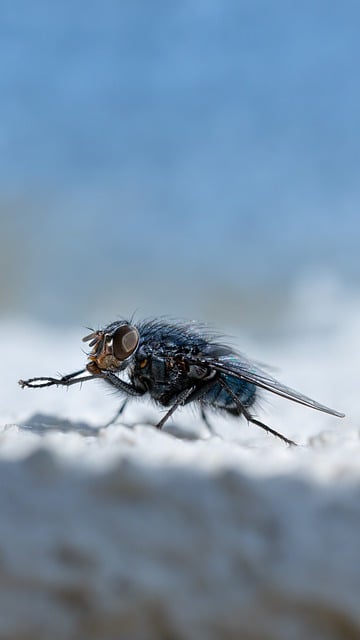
x=226 y=361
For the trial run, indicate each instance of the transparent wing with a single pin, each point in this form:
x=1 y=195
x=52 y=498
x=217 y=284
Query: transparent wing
x=232 y=364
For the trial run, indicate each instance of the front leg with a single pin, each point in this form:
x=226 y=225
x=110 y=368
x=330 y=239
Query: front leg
x=66 y=381
x=121 y=385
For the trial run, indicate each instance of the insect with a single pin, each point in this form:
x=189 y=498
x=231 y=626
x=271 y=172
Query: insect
x=177 y=364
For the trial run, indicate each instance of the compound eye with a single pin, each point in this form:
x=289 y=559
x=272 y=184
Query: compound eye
x=125 y=341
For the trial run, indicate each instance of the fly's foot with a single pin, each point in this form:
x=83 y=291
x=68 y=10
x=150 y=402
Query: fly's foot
x=38 y=383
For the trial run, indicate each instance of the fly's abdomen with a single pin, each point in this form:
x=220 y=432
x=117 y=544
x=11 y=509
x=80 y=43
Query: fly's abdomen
x=220 y=398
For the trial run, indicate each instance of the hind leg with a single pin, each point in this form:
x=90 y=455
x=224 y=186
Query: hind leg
x=244 y=411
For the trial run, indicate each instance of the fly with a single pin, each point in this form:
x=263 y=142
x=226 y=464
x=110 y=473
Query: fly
x=176 y=364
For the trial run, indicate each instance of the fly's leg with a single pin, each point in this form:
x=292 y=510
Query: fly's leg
x=117 y=414
x=66 y=381
x=180 y=400
x=130 y=390
x=121 y=385
x=70 y=379
x=206 y=421
x=197 y=394
x=250 y=418
x=70 y=376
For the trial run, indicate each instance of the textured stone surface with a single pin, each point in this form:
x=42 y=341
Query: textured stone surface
x=140 y=552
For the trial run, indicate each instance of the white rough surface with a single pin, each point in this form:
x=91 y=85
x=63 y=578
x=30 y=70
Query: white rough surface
x=146 y=535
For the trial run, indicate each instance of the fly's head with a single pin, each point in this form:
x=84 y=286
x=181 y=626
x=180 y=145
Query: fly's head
x=112 y=347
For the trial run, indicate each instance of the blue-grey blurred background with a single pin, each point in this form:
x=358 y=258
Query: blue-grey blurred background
x=195 y=158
